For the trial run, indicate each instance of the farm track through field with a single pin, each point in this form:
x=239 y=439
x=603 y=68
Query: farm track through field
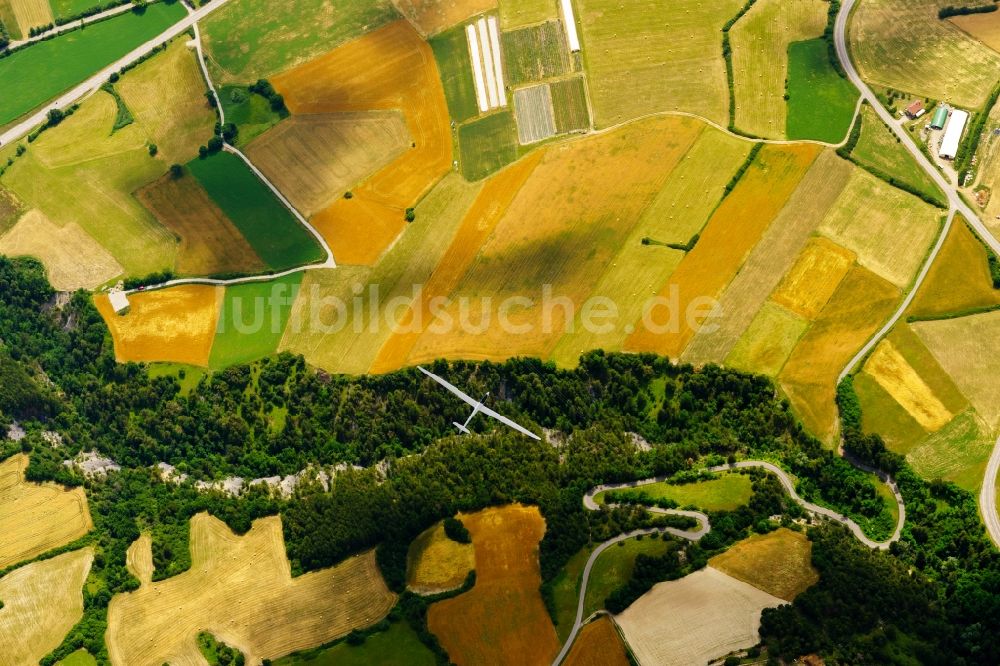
x=72 y=25
x=704 y=527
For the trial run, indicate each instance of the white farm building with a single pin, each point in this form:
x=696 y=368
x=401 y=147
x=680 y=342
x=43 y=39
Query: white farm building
x=119 y=301
x=953 y=134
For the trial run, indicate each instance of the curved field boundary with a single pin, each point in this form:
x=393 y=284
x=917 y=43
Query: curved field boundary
x=705 y=527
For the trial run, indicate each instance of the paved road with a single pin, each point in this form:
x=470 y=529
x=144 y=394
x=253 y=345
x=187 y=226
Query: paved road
x=72 y=25
x=693 y=535
x=988 y=496
x=97 y=80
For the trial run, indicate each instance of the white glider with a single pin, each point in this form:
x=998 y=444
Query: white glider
x=477 y=407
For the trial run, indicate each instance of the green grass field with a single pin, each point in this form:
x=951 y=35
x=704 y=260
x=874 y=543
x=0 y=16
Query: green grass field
x=79 y=658
x=451 y=52
x=34 y=75
x=725 y=493
x=274 y=234
x=251 y=39
x=397 y=645
x=820 y=103
x=566 y=591
x=958 y=452
x=878 y=147
x=251 y=113
x=487 y=145
x=535 y=53
x=569 y=102
x=187 y=376
x=253 y=320
x=614 y=568
x=64 y=8
x=883 y=415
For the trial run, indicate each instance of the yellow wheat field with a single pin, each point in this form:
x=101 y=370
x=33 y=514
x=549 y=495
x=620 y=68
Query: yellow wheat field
x=435 y=563
x=240 y=589
x=888 y=367
x=779 y=563
x=41 y=603
x=814 y=278
x=175 y=325
x=35 y=518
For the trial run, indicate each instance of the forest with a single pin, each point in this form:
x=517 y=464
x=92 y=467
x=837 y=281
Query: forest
x=934 y=594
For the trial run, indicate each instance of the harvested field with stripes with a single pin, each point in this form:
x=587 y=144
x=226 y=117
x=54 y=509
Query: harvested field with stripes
x=430 y=17
x=598 y=644
x=815 y=277
x=903 y=45
x=268 y=613
x=958 y=452
x=166 y=96
x=390 y=68
x=535 y=120
x=983 y=27
x=639 y=63
x=760 y=42
x=771 y=257
x=314 y=159
x=959 y=279
x=768 y=341
x=888 y=229
x=27 y=14
x=592 y=203
x=779 y=563
x=735 y=228
x=209 y=241
x=41 y=603
x=436 y=564
x=535 y=53
x=861 y=304
x=487 y=145
x=569 y=102
x=175 y=324
x=73 y=259
x=35 y=518
x=695 y=619
x=967 y=350
x=503 y=617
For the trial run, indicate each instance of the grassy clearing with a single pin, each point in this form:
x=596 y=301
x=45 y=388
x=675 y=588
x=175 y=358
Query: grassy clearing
x=316 y=158
x=598 y=644
x=166 y=96
x=435 y=563
x=79 y=173
x=503 y=616
x=735 y=228
x=35 y=518
x=250 y=112
x=655 y=56
x=903 y=45
x=430 y=17
x=268 y=613
x=569 y=102
x=252 y=320
x=892 y=372
x=959 y=280
x=773 y=256
x=73 y=259
x=188 y=376
x=176 y=324
x=614 y=568
x=779 y=563
x=478 y=222
x=883 y=415
x=210 y=243
x=878 y=147
x=963 y=347
x=888 y=229
x=728 y=492
x=252 y=39
x=957 y=452
x=695 y=619
x=812 y=281
x=535 y=53
x=768 y=341
x=395 y=646
x=517 y=13
x=487 y=145
x=391 y=68
x=79 y=658
x=275 y=235
x=339 y=344
x=28 y=14
x=71 y=7
x=861 y=304
x=760 y=59
x=820 y=103
x=451 y=52
x=32 y=76
x=41 y=603
x=564 y=229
